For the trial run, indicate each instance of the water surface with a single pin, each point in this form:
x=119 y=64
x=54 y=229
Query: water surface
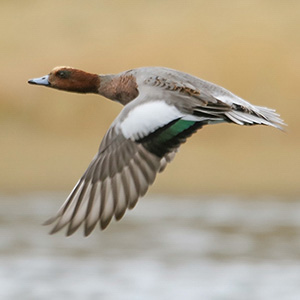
x=210 y=248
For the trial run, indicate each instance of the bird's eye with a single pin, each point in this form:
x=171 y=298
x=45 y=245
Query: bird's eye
x=62 y=74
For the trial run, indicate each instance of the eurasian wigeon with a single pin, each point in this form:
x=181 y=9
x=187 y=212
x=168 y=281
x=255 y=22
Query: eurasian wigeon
x=162 y=108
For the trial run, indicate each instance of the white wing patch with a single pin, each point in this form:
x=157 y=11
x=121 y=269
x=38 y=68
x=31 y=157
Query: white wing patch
x=148 y=117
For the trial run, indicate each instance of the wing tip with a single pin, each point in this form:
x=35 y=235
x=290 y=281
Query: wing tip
x=104 y=223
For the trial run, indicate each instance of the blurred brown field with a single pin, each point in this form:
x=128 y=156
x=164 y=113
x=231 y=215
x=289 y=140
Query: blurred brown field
x=250 y=47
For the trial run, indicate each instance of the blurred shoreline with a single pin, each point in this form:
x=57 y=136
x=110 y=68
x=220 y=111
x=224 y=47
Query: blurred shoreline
x=38 y=159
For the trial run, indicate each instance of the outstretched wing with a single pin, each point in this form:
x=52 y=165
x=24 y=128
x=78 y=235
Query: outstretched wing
x=133 y=151
x=113 y=182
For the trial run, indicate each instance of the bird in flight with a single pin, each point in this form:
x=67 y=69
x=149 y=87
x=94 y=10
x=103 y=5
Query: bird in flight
x=162 y=108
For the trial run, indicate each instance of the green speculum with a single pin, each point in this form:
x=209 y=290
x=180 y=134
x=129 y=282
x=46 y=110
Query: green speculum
x=173 y=130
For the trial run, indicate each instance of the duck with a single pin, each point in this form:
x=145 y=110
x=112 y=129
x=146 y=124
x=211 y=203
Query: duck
x=162 y=108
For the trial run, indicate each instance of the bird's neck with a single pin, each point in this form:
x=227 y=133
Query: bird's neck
x=120 y=88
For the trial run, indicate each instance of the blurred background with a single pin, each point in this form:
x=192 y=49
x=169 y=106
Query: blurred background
x=49 y=137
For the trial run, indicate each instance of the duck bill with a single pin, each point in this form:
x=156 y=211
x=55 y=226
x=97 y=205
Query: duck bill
x=40 y=81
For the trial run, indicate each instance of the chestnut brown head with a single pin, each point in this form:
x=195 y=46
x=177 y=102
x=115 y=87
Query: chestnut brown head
x=69 y=79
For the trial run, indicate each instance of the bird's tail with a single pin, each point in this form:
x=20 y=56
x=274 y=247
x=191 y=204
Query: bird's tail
x=258 y=115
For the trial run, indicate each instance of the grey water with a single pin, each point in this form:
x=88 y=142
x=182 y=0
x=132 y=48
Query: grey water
x=210 y=248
